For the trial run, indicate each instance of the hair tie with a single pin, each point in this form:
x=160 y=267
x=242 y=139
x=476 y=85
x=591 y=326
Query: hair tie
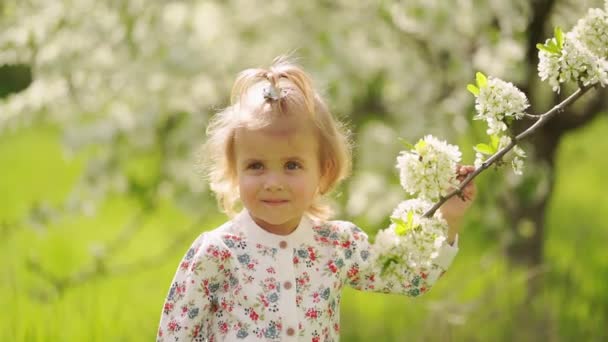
x=271 y=93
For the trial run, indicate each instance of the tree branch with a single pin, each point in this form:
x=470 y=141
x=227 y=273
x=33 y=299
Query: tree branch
x=532 y=116
x=543 y=118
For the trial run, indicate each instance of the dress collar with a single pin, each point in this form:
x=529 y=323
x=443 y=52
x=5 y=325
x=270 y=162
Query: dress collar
x=302 y=234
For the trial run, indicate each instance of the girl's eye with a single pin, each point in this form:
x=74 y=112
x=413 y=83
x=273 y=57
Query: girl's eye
x=255 y=166
x=292 y=165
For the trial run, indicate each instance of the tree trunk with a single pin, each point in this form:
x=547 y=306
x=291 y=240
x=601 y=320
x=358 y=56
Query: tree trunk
x=526 y=210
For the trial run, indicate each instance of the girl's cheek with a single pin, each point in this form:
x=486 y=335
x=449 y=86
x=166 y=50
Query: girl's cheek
x=305 y=186
x=247 y=185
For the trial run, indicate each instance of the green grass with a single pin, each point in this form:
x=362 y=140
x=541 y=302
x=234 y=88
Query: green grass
x=479 y=299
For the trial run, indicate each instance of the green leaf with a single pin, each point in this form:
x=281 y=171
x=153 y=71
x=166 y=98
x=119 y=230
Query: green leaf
x=387 y=263
x=400 y=226
x=397 y=221
x=406 y=144
x=551 y=47
x=483 y=148
x=410 y=219
x=543 y=48
x=420 y=145
x=552 y=44
x=473 y=89
x=494 y=141
x=559 y=37
x=481 y=79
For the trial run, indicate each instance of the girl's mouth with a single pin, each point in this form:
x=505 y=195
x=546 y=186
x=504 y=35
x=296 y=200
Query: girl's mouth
x=274 y=202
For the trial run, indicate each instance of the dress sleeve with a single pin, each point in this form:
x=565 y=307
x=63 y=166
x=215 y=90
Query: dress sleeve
x=364 y=274
x=192 y=297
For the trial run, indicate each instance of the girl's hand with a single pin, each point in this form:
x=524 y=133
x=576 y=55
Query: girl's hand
x=454 y=209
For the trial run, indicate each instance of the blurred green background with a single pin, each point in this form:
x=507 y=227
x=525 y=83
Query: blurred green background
x=104 y=104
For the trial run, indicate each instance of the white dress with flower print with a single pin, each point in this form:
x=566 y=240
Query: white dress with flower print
x=242 y=283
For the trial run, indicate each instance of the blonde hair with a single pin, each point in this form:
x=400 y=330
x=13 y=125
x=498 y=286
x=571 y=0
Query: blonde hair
x=252 y=107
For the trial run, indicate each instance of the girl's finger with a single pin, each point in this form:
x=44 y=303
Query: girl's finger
x=464 y=170
x=468 y=168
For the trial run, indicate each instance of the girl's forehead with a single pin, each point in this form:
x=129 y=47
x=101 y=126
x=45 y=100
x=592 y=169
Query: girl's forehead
x=282 y=127
x=274 y=141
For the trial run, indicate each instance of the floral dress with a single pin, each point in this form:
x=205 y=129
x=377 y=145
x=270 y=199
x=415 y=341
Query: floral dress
x=242 y=283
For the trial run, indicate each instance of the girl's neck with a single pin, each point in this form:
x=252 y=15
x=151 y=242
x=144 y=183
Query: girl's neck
x=279 y=229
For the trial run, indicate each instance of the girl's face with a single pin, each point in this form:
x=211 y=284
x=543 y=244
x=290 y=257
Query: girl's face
x=278 y=173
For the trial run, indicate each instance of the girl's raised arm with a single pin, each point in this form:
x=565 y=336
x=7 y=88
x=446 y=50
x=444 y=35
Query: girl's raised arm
x=366 y=274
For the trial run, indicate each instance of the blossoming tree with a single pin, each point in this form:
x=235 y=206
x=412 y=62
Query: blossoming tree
x=133 y=82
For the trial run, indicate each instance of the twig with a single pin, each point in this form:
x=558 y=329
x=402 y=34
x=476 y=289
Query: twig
x=532 y=116
x=542 y=119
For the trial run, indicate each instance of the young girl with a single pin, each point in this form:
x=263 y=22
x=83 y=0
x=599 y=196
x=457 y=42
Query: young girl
x=275 y=271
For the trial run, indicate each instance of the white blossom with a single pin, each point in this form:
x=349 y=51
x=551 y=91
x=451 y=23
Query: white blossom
x=518 y=165
x=479 y=159
x=548 y=68
x=429 y=170
x=498 y=100
x=592 y=32
x=399 y=248
x=579 y=64
x=518 y=160
x=574 y=63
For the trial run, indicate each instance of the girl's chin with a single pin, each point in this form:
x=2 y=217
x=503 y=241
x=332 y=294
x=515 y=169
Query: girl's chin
x=276 y=222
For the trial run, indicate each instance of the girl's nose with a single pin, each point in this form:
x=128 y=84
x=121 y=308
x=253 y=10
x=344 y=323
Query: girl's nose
x=273 y=187
x=273 y=183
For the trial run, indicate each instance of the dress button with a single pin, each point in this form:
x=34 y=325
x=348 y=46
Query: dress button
x=287 y=285
x=283 y=244
x=290 y=331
